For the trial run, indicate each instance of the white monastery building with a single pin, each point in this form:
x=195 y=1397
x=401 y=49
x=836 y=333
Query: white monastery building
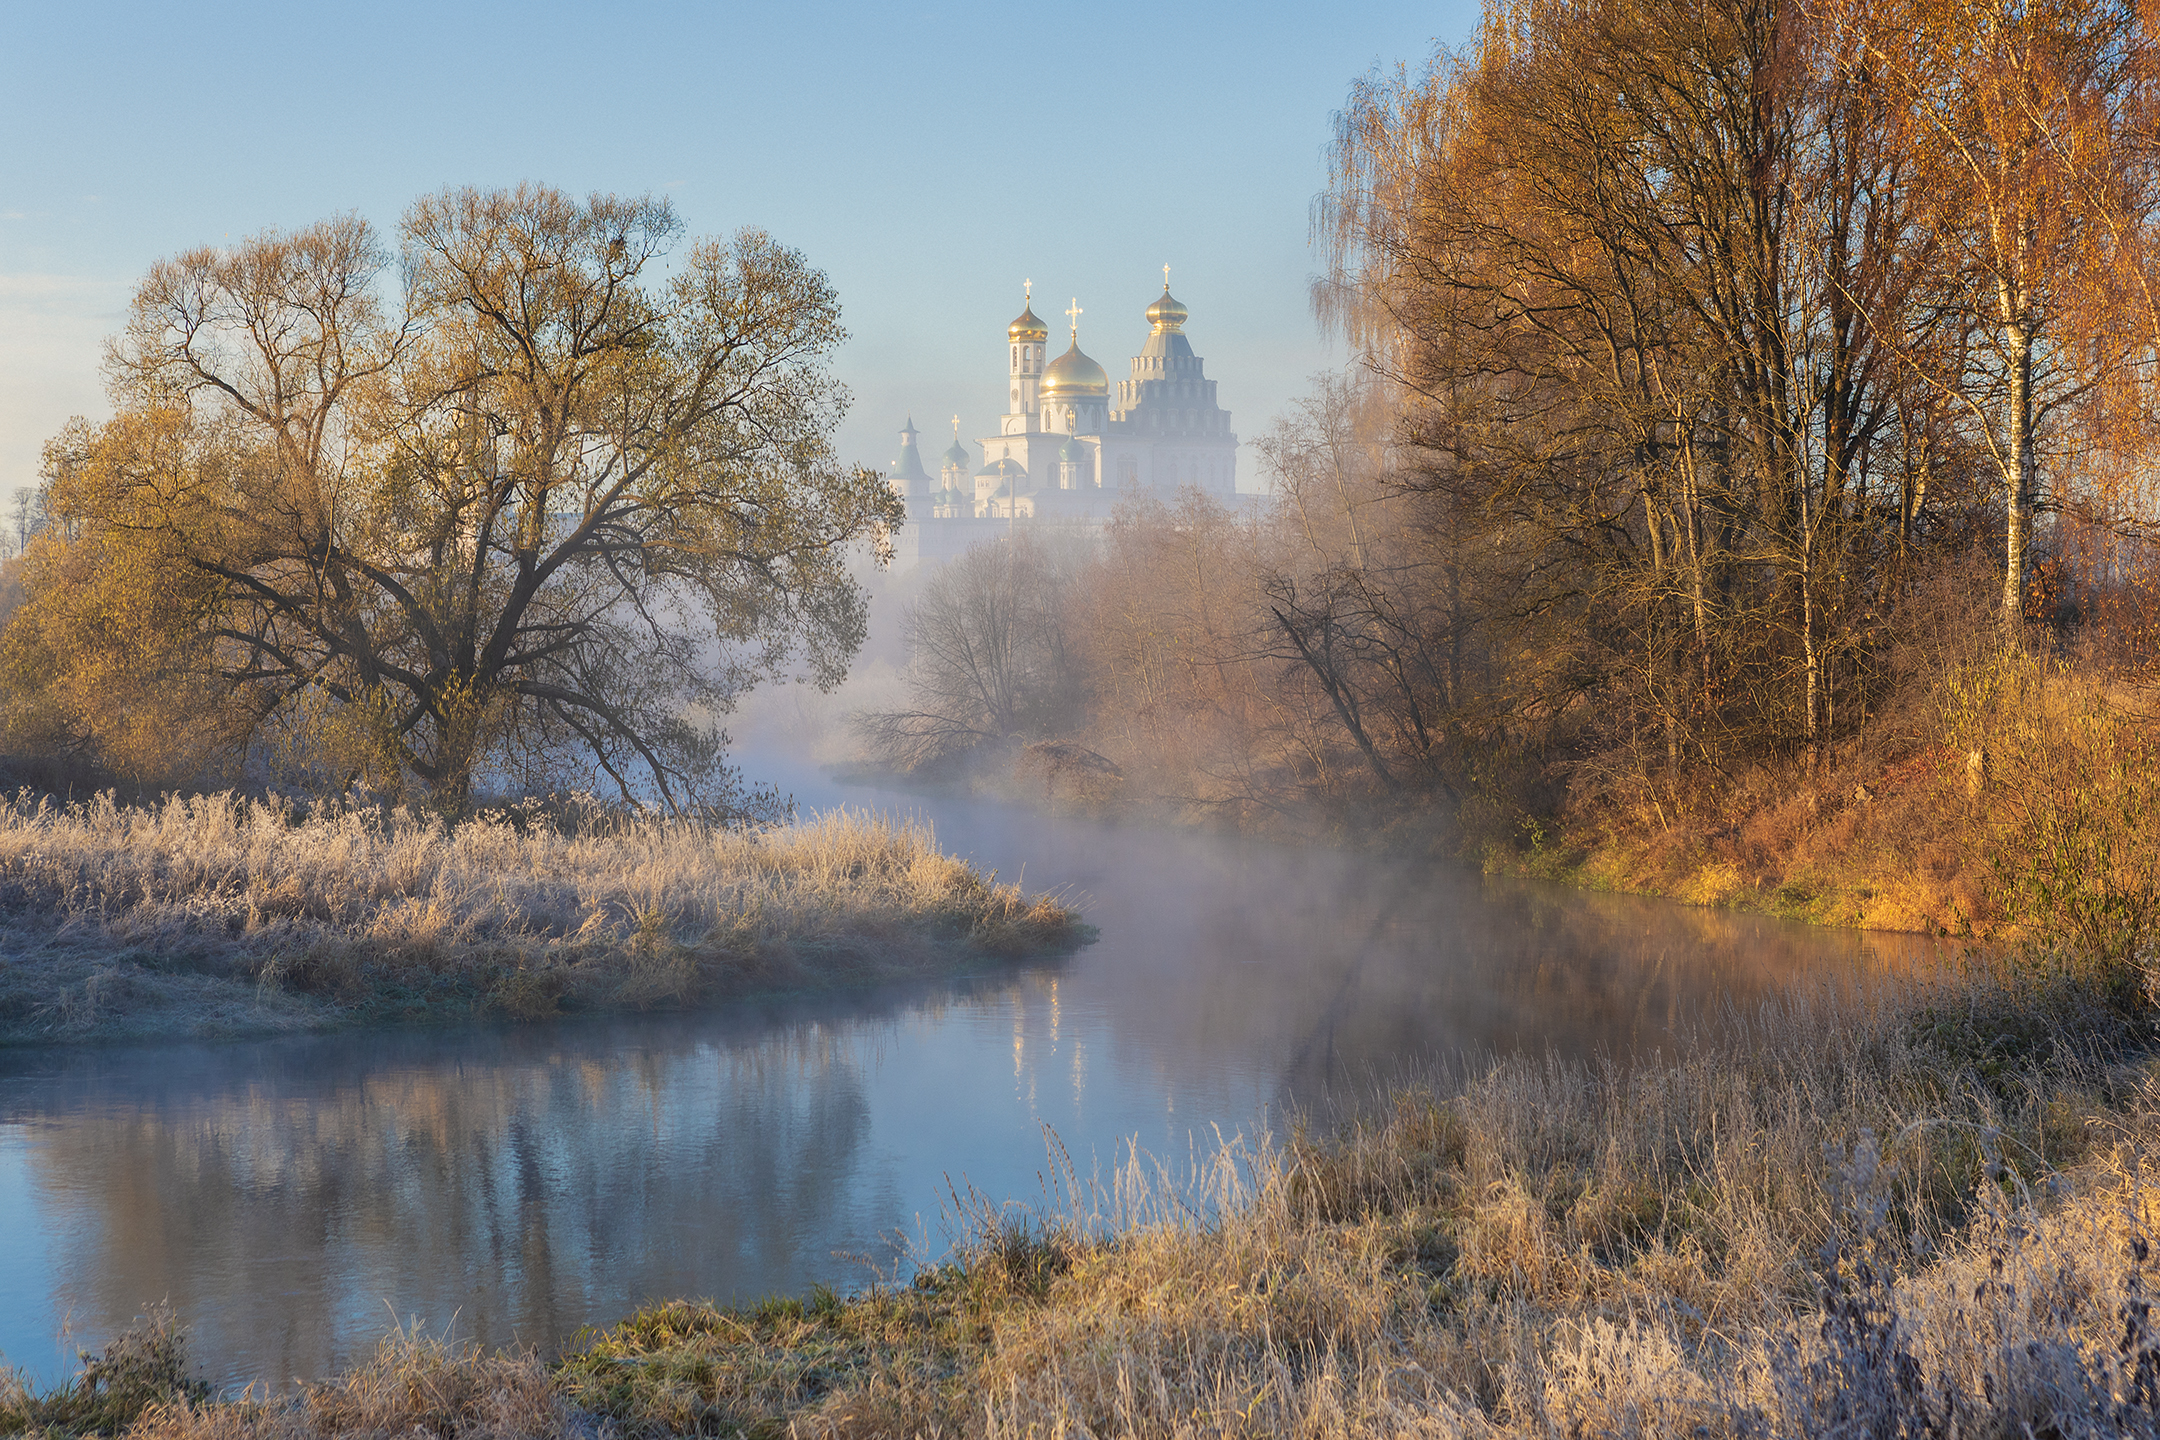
x=1067 y=449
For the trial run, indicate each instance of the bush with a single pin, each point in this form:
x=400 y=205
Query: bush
x=142 y=1367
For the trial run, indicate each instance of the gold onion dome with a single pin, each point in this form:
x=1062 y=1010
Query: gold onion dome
x=1072 y=376
x=1166 y=313
x=1027 y=327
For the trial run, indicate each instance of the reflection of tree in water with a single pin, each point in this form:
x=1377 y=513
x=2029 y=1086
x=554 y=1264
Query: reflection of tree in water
x=542 y=1182
x=534 y=1180
x=1346 y=968
x=1328 y=965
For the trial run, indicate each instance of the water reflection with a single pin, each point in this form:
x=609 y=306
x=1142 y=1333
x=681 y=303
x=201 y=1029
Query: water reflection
x=526 y=1182
x=290 y=1197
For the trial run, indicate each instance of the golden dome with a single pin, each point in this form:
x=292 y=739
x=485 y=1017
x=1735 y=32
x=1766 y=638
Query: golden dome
x=1027 y=327
x=1166 y=313
x=1072 y=376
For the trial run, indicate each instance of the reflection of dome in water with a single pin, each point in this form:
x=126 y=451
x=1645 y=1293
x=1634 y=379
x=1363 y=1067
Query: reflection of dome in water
x=1027 y=327
x=1166 y=313
x=1072 y=376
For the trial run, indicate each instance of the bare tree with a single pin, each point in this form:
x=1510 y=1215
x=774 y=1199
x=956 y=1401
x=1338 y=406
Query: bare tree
x=989 y=651
x=540 y=509
x=25 y=507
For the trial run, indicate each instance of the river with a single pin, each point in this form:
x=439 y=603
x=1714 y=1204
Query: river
x=294 y=1198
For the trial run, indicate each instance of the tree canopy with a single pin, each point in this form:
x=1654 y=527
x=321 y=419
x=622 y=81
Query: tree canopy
x=1728 y=327
x=534 y=497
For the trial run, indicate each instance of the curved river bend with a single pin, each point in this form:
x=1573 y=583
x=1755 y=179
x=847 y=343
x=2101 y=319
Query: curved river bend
x=291 y=1198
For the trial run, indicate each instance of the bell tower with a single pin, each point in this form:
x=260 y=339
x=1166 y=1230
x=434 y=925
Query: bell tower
x=1024 y=339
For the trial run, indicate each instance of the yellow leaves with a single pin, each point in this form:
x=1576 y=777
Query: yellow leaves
x=307 y=500
x=105 y=653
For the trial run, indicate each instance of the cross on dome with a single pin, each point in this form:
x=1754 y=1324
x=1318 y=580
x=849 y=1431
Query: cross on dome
x=1166 y=279
x=1027 y=288
x=1073 y=313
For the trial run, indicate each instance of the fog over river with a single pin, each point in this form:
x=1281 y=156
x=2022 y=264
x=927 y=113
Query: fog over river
x=291 y=1197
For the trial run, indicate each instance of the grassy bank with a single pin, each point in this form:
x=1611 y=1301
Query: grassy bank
x=221 y=915
x=1929 y=1214
x=2017 y=796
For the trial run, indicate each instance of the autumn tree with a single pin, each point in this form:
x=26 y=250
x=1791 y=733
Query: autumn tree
x=2028 y=127
x=534 y=498
x=1648 y=278
x=1371 y=591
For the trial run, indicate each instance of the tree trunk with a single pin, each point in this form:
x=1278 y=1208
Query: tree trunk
x=1344 y=702
x=2023 y=475
x=1692 y=498
x=1809 y=649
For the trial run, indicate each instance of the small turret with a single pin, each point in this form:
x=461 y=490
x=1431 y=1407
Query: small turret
x=908 y=478
x=1166 y=313
x=1002 y=489
x=1075 y=466
x=954 y=493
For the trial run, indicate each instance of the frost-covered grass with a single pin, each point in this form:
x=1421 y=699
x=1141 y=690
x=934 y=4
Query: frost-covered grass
x=219 y=912
x=1929 y=1215
x=1930 y=1212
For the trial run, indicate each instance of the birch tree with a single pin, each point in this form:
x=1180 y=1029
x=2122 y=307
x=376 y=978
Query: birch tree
x=2028 y=126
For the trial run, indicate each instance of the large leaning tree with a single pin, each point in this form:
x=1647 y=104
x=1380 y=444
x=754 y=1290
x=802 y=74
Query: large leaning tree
x=531 y=500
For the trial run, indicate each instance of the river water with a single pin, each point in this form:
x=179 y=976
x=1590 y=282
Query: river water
x=293 y=1198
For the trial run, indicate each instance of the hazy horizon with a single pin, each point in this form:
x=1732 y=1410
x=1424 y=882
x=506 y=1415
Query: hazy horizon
x=910 y=155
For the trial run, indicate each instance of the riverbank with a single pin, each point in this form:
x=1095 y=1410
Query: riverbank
x=2014 y=797
x=1894 y=851
x=2006 y=796
x=1856 y=1212
x=220 y=916
x=1818 y=859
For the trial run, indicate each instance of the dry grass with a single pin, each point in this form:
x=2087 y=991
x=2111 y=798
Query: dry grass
x=2055 y=835
x=414 y=1385
x=1928 y=1215
x=143 y=1367
x=220 y=913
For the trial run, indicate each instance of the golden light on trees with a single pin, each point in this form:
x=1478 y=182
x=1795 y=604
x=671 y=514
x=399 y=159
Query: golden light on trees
x=1726 y=326
x=518 y=500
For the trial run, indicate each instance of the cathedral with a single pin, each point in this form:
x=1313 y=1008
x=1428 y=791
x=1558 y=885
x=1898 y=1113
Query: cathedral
x=1068 y=450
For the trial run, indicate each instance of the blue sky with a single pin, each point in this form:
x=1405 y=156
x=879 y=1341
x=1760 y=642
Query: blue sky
x=927 y=157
